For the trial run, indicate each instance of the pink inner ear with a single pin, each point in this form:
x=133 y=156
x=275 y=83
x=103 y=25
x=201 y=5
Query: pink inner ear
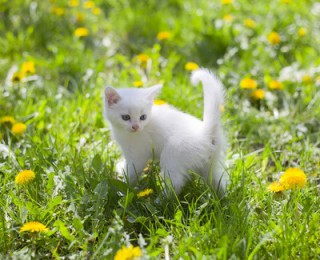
x=113 y=98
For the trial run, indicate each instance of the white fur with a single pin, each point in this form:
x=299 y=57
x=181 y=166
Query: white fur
x=180 y=141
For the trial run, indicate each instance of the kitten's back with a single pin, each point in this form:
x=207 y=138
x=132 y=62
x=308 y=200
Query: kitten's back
x=174 y=122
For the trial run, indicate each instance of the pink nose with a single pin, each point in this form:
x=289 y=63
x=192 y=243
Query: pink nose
x=135 y=127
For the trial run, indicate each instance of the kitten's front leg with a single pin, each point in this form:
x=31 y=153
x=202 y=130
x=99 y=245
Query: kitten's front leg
x=177 y=180
x=134 y=169
x=132 y=173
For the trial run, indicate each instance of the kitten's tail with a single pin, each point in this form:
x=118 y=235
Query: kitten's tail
x=213 y=92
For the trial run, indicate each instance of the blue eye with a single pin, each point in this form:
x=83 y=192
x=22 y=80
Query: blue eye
x=143 y=117
x=125 y=117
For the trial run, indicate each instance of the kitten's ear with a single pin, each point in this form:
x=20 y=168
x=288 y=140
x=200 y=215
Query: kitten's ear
x=154 y=90
x=111 y=96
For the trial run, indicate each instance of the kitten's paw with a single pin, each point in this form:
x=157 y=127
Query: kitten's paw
x=172 y=185
x=121 y=169
x=126 y=173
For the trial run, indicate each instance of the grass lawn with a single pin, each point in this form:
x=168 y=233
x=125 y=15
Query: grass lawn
x=57 y=159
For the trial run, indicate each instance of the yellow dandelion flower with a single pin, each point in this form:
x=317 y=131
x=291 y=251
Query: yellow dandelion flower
x=228 y=18
x=59 y=11
x=190 y=66
x=33 y=226
x=89 y=4
x=17 y=77
x=18 y=128
x=79 y=17
x=142 y=57
x=276 y=187
x=144 y=193
x=293 y=178
x=275 y=84
x=307 y=79
x=128 y=253
x=138 y=83
x=274 y=38
x=248 y=83
x=96 y=11
x=222 y=108
x=302 y=31
x=159 y=102
x=24 y=177
x=81 y=32
x=249 y=23
x=226 y=2
x=74 y=3
x=163 y=35
x=7 y=120
x=258 y=94
x=28 y=67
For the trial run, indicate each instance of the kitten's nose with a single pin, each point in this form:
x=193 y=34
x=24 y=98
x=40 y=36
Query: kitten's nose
x=135 y=127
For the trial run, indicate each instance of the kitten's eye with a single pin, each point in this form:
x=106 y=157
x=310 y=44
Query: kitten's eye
x=125 y=117
x=143 y=117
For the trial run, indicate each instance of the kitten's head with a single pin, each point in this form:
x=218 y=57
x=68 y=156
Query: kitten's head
x=129 y=109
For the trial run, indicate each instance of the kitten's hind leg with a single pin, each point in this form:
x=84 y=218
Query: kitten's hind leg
x=215 y=176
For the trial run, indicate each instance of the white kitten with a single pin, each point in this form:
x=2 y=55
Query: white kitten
x=181 y=142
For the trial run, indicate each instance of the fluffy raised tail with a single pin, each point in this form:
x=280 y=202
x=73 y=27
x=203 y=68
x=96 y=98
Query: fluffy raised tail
x=213 y=93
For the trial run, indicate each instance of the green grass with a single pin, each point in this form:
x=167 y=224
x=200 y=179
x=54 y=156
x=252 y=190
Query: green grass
x=76 y=194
